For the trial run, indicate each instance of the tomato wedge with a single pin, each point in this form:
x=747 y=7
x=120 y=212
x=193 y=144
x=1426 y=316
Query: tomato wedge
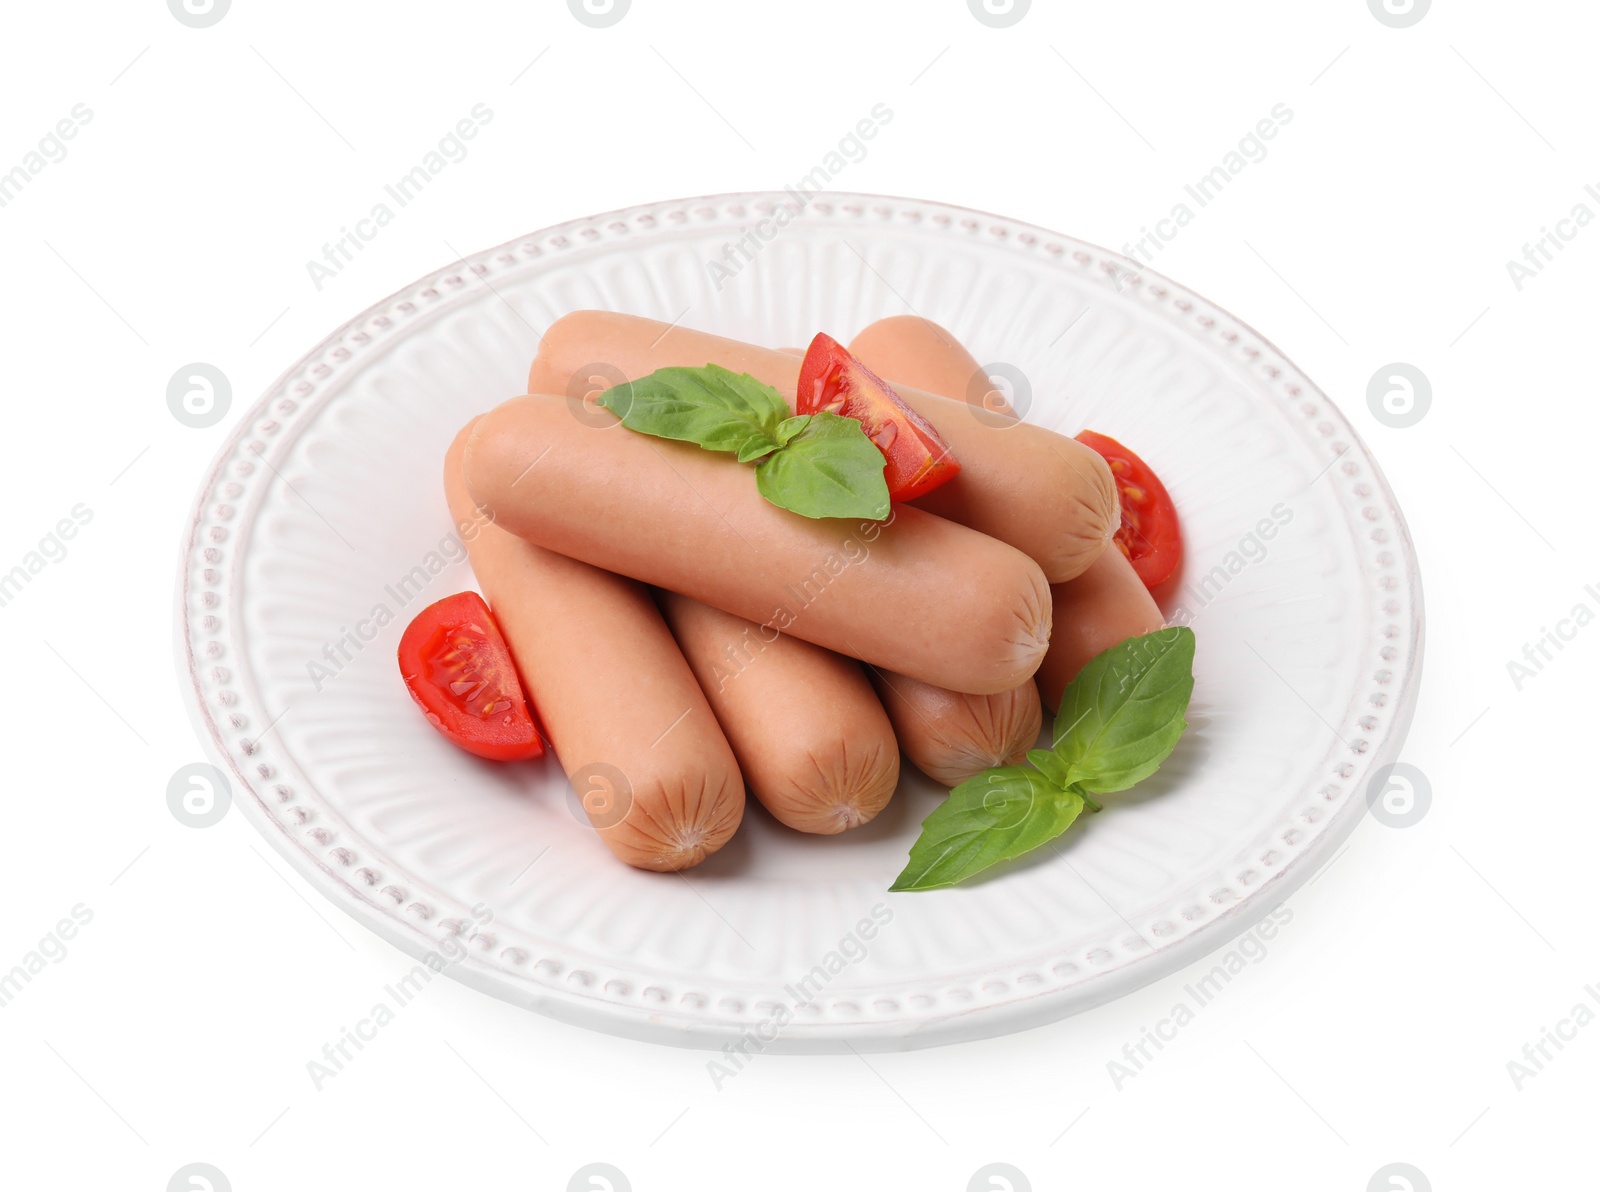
x=459 y=670
x=917 y=460
x=1149 y=534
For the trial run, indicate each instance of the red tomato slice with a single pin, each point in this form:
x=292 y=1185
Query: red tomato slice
x=1149 y=534
x=917 y=460
x=459 y=670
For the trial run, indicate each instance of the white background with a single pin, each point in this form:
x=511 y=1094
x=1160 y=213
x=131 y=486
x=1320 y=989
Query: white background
x=219 y=161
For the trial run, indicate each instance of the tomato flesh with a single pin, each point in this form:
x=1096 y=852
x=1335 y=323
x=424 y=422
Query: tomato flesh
x=458 y=668
x=1149 y=535
x=916 y=459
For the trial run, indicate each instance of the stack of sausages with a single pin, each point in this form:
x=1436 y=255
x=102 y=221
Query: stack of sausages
x=682 y=638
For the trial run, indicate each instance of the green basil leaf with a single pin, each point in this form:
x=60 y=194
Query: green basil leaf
x=757 y=448
x=829 y=468
x=1051 y=766
x=710 y=407
x=1123 y=714
x=790 y=427
x=992 y=817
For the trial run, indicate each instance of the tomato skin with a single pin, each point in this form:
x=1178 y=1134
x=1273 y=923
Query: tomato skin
x=916 y=459
x=1149 y=535
x=458 y=668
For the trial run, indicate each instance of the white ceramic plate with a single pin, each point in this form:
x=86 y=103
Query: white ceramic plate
x=327 y=497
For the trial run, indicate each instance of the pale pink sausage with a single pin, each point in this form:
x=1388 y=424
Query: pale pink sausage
x=1102 y=608
x=812 y=740
x=1105 y=605
x=950 y=736
x=917 y=352
x=947 y=735
x=628 y=720
x=915 y=594
x=1047 y=495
